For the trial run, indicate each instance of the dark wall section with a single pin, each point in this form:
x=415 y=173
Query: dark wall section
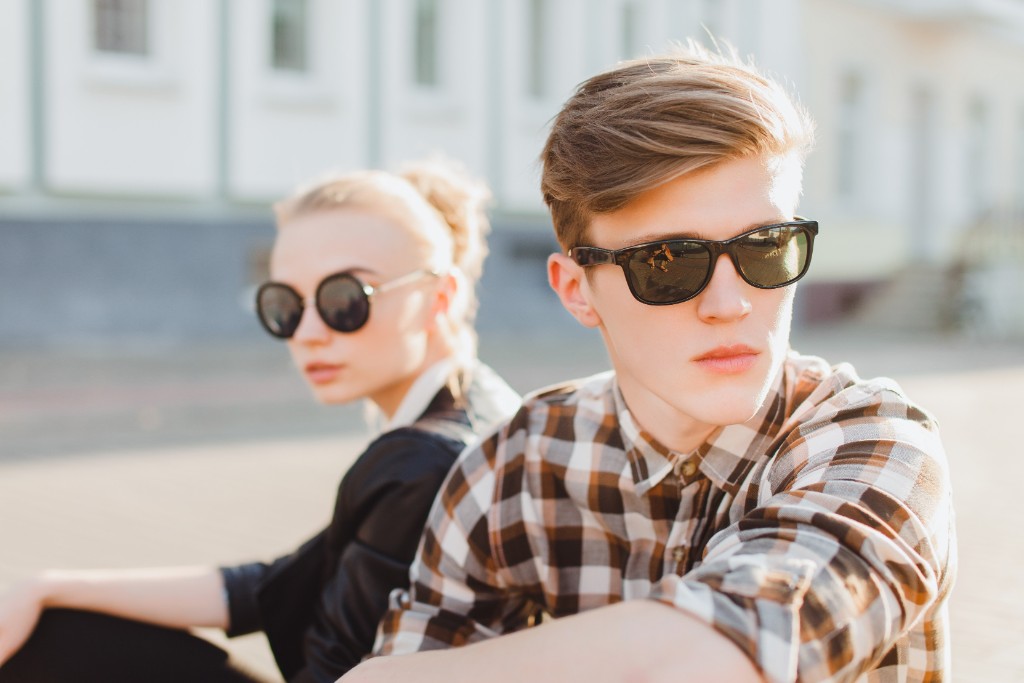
x=96 y=280
x=99 y=279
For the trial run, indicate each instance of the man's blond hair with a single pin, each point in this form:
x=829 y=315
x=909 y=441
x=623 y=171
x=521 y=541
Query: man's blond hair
x=648 y=121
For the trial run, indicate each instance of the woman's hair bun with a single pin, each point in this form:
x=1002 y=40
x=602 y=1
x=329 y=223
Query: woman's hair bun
x=461 y=200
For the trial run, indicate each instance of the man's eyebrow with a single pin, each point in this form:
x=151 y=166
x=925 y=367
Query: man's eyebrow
x=697 y=235
x=656 y=237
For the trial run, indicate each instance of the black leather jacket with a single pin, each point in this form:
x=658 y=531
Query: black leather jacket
x=320 y=605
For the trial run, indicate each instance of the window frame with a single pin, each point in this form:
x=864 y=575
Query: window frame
x=305 y=63
x=118 y=15
x=429 y=74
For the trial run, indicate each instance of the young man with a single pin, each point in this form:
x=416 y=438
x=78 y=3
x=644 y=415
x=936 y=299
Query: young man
x=718 y=508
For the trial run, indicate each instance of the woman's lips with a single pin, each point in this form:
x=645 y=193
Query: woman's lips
x=728 y=360
x=321 y=373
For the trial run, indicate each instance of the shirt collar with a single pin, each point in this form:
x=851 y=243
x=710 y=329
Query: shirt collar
x=724 y=458
x=419 y=396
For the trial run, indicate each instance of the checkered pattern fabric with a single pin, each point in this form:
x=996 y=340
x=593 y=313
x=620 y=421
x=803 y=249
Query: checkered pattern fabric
x=818 y=535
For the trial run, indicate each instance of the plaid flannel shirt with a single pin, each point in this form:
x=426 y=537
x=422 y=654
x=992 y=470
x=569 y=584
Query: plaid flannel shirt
x=818 y=536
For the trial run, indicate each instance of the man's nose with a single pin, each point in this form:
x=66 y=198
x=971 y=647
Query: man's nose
x=727 y=296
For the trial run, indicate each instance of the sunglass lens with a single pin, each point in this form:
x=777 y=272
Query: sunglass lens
x=669 y=272
x=342 y=303
x=279 y=308
x=774 y=257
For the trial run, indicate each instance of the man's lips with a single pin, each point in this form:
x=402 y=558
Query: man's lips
x=321 y=373
x=732 y=359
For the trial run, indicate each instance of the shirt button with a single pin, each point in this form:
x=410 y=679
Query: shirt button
x=689 y=468
x=678 y=554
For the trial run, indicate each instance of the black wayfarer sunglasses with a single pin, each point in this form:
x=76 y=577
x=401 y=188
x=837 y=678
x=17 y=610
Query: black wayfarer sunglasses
x=676 y=270
x=341 y=299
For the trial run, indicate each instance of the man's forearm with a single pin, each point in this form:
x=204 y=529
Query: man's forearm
x=634 y=640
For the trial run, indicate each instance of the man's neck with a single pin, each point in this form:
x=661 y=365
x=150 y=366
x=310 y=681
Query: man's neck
x=669 y=426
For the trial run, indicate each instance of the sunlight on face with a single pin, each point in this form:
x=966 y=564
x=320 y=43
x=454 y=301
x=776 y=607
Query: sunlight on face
x=786 y=185
x=380 y=360
x=687 y=368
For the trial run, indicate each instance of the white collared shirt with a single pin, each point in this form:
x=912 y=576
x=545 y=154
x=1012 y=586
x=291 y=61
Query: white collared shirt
x=419 y=396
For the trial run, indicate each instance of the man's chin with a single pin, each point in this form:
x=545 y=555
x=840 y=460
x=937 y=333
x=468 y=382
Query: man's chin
x=729 y=407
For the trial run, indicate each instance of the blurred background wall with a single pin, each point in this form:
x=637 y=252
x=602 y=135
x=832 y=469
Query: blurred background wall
x=142 y=141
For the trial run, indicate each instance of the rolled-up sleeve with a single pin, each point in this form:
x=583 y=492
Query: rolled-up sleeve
x=240 y=585
x=850 y=545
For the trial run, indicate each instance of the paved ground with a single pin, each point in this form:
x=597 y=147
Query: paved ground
x=124 y=457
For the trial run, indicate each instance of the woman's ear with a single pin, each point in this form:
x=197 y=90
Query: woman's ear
x=444 y=295
x=569 y=282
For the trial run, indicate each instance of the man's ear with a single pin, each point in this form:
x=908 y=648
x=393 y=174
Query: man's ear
x=569 y=282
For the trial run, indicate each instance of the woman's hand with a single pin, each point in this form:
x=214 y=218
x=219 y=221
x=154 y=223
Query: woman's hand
x=19 y=613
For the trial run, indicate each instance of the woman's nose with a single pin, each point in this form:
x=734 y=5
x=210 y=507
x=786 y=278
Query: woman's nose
x=312 y=328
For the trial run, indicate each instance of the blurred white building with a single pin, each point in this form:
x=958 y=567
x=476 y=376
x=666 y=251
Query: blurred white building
x=205 y=110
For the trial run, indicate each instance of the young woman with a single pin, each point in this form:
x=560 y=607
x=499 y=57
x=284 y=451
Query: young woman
x=372 y=288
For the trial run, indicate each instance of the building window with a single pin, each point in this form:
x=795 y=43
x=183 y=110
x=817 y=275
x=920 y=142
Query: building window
x=850 y=127
x=630 y=36
x=977 y=156
x=923 y=141
x=426 y=43
x=289 y=31
x=1020 y=165
x=537 y=50
x=121 y=26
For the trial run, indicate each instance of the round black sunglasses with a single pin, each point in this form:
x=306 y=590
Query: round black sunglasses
x=676 y=270
x=341 y=299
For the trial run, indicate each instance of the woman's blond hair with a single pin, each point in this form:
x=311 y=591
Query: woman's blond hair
x=648 y=121
x=442 y=206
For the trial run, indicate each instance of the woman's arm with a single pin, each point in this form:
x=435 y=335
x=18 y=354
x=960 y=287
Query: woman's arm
x=179 y=597
x=382 y=508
